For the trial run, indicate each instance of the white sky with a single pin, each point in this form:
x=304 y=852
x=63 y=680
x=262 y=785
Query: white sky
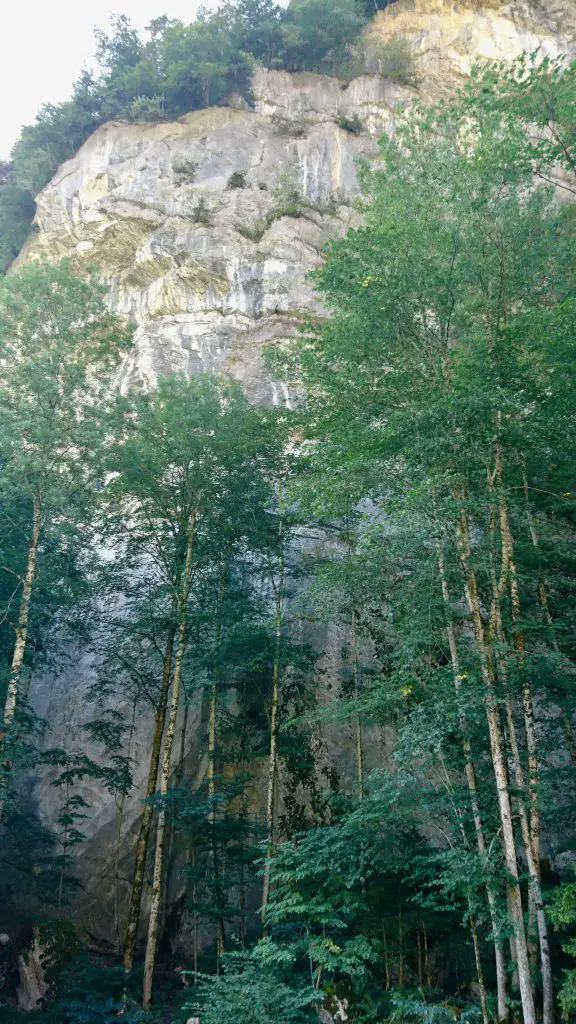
x=45 y=43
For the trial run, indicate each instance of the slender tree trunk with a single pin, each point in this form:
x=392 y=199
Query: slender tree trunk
x=479 y=971
x=530 y=826
x=154 y=919
x=195 y=924
x=426 y=958
x=386 y=958
x=271 y=809
x=212 y=744
x=534 y=877
x=119 y=822
x=470 y=774
x=212 y=751
x=64 y=843
x=499 y=763
x=148 y=810
x=419 y=950
x=177 y=782
x=357 y=719
x=527 y=702
x=19 y=648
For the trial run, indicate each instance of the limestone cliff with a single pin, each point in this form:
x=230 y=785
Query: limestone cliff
x=448 y=36
x=206 y=230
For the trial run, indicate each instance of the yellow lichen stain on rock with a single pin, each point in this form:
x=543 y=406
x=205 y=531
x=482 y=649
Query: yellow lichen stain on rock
x=116 y=244
x=143 y=272
x=94 y=190
x=199 y=277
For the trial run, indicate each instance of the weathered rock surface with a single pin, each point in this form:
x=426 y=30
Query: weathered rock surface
x=448 y=36
x=197 y=229
x=210 y=272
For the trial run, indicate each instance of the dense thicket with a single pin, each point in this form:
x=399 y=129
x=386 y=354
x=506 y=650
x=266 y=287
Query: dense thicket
x=414 y=878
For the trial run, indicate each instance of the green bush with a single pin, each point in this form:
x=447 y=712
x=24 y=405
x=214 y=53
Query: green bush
x=148 y=108
x=202 y=213
x=293 y=127
x=184 y=170
x=256 y=992
x=392 y=59
x=237 y=180
x=351 y=124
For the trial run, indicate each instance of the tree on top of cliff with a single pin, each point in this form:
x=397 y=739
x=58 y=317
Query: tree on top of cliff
x=178 y=68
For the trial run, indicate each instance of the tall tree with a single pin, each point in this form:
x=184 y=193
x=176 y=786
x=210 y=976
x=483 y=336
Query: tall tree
x=189 y=466
x=429 y=381
x=59 y=347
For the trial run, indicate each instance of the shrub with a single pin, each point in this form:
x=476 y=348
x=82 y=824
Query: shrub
x=202 y=213
x=184 y=170
x=393 y=59
x=147 y=108
x=295 y=127
x=237 y=180
x=351 y=124
x=256 y=989
x=290 y=200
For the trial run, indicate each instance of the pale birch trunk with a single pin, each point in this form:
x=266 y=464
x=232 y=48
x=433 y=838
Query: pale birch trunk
x=499 y=763
x=469 y=771
x=154 y=919
x=148 y=810
x=534 y=875
x=530 y=826
x=271 y=809
x=19 y=648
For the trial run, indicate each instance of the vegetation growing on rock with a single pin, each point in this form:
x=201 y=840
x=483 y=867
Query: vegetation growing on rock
x=418 y=504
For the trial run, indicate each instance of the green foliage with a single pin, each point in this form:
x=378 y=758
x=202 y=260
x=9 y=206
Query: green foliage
x=147 y=108
x=533 y=102
x=184 y=170
x=293 y=127
x=562 y=909
x=17 y=209
x=319 y=34
x=54 y=333
x=256 y=27
x=429 y=391
x=95 y=994
x=393 y=59
x=201 y=212
x=351 y=124
x=256 y=987
x=436 y=452
x=237 y=180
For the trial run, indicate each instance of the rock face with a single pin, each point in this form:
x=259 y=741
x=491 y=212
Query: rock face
x=448 y=36
x=206 y=230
